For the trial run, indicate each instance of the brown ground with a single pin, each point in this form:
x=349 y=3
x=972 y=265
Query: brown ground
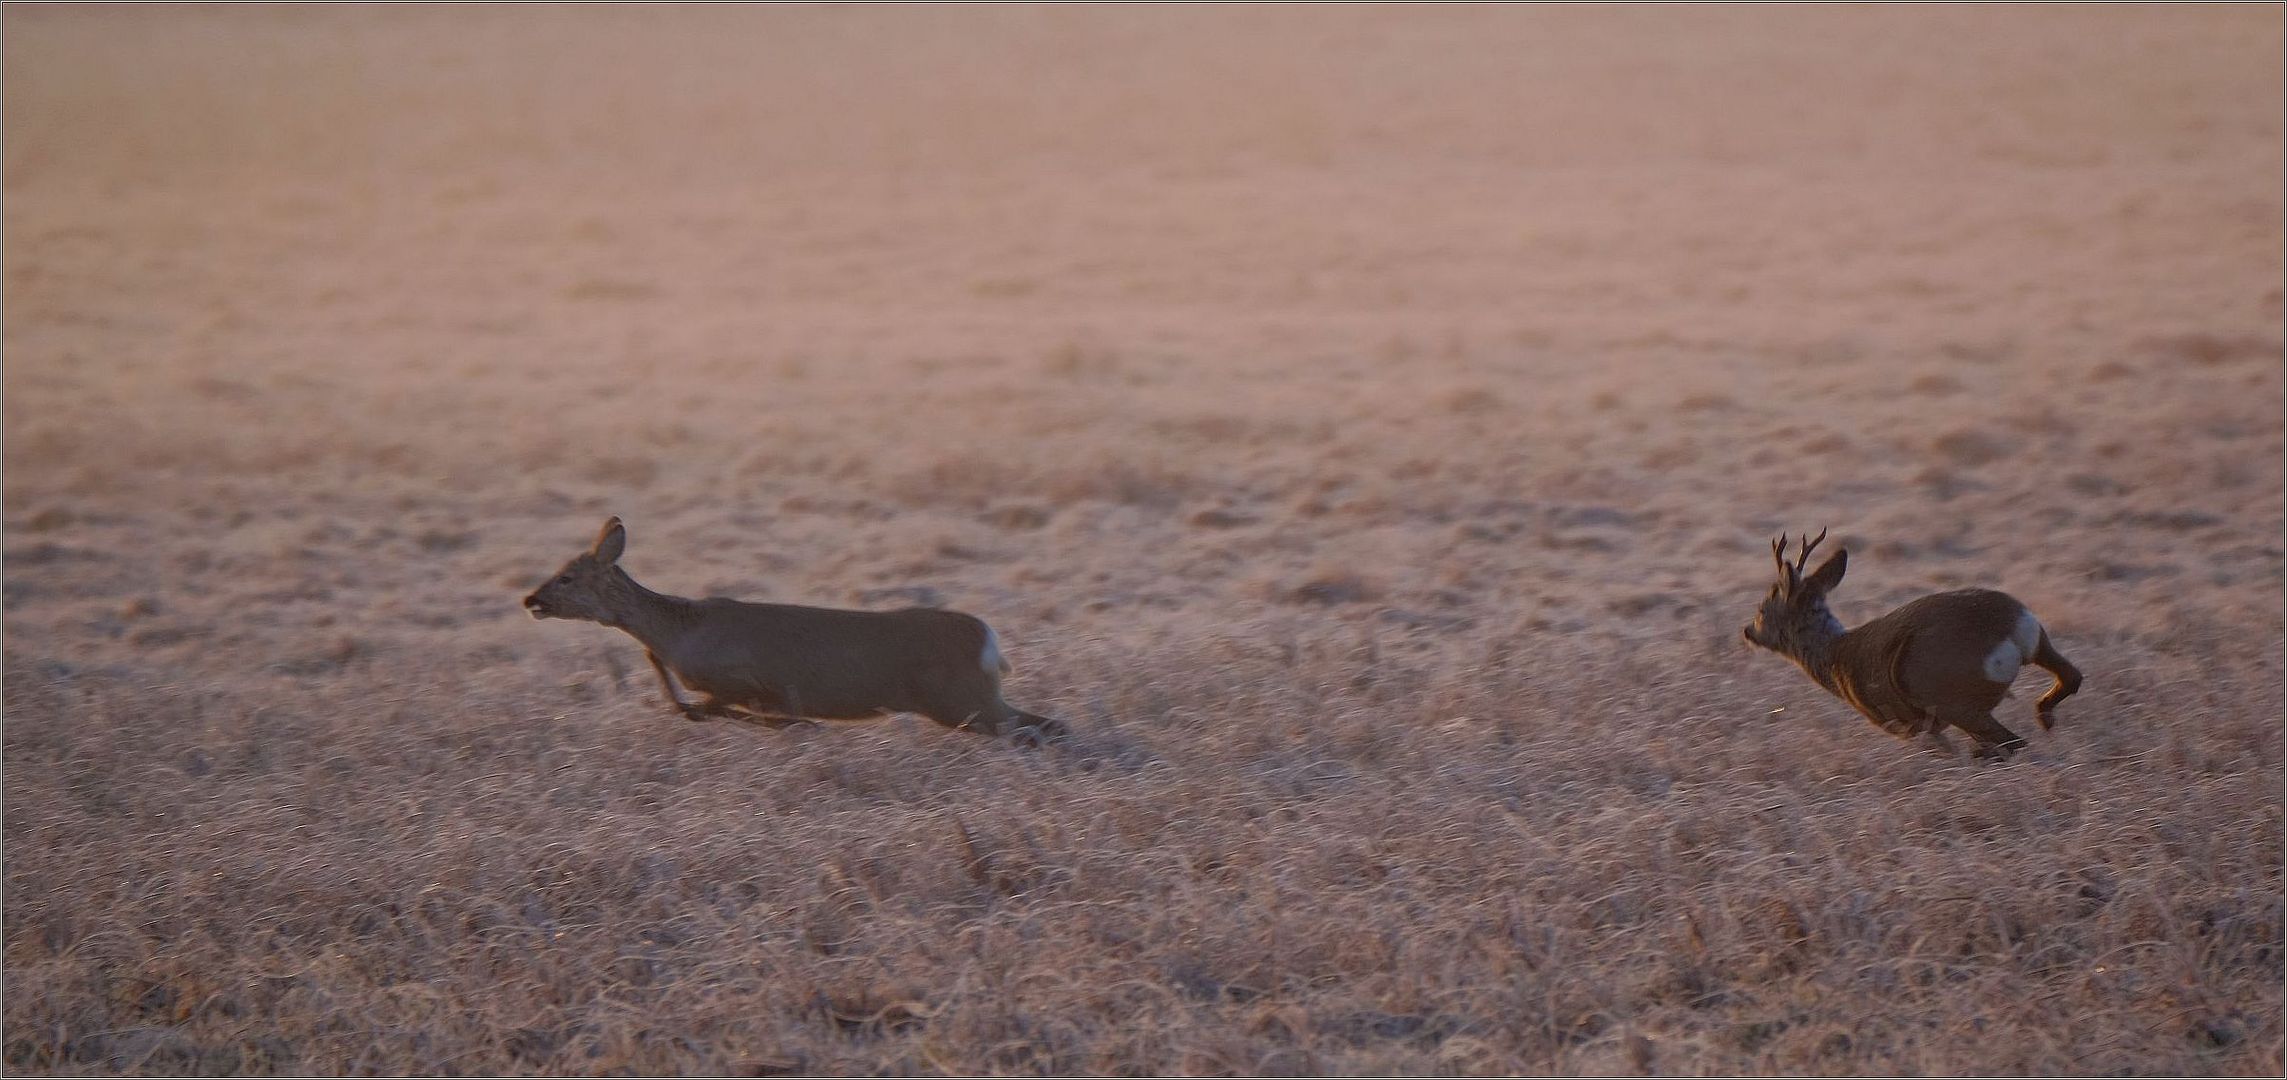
x=1364 y=426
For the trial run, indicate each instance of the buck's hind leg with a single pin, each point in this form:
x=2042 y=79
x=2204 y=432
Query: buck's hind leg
x=1993 y=740
x=2048 y=659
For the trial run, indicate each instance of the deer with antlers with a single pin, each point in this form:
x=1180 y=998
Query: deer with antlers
x=1943 y=660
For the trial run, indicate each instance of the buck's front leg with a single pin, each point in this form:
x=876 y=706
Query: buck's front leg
x=1922 y=729
x=1902 y=727
x=1993 y=740
x=1937 y=741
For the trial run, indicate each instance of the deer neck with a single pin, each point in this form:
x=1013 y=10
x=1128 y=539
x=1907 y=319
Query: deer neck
x=1817 y=653
x=651 y=618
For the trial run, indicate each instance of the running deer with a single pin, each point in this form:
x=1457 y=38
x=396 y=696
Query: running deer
x=1945 y=659
x=779 y=664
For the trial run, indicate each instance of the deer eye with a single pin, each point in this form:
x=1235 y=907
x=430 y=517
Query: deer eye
x=565 y=580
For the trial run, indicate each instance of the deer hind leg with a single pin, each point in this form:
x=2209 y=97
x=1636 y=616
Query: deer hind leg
x=2048 y=659
x=964 y=698
x=969 y=699
x=1000 y=718
x=1993 y=740
x=1035 y=727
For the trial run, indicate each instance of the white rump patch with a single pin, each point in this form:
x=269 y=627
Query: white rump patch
x=2016 y=650
x=994 y=663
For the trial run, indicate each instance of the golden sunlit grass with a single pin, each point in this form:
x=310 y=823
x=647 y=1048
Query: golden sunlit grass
x=1370 y=450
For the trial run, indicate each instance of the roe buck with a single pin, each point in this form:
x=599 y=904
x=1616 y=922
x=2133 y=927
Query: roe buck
x=778 y=664
x=1947 y=658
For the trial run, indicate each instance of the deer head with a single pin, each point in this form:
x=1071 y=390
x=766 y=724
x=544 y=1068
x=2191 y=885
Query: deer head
x=589 y=587
x=1794 y=617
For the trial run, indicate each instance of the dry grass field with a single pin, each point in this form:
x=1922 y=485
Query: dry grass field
x=1365 y=427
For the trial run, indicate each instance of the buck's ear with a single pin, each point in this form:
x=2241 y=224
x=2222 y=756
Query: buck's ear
x=611 y=541
x=1829 y=573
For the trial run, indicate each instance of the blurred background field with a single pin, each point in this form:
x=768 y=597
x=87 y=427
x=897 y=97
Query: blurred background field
x=1364 y=426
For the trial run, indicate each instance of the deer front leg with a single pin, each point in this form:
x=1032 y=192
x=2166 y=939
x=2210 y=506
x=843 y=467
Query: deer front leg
x=1936 y=738
x=1993 y=740
x=1907 y=726
x=667 y=683
x=772 y=721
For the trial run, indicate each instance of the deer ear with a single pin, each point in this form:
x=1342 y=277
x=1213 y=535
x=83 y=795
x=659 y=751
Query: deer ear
x=611 y=541
x=1829 y=573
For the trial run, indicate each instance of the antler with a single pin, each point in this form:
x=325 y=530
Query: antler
x=1808 y=543
x=1792 y=573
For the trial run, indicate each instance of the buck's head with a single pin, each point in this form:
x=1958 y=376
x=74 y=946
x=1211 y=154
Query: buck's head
x=588 y=586
x=1795 y=616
